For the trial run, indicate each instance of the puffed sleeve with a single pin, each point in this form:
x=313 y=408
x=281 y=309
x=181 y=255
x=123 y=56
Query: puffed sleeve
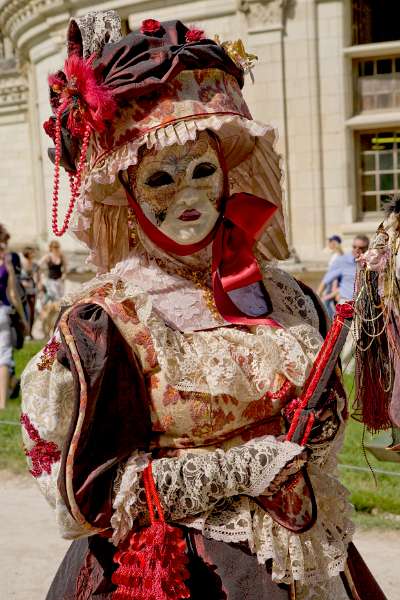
x=85 y=410
x=47 y=406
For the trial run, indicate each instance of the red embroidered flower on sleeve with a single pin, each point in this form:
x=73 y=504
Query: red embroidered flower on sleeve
x=150 y=26
x=49 y=354
x=43 y=454
x=194 y=35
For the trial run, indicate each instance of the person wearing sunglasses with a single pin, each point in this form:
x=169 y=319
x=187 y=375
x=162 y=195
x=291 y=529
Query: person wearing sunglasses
x=344 y=268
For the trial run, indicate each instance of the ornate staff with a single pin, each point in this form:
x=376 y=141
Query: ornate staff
x=321 y=371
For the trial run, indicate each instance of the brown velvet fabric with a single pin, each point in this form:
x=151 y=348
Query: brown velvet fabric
x=140 y=64
x=117 y=418
x=358 y=579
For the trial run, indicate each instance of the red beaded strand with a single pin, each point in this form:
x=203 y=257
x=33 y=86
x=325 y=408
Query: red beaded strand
x=74 y=180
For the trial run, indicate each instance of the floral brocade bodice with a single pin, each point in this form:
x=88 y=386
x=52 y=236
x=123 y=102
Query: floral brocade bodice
x=221 y=386
x=209 y=385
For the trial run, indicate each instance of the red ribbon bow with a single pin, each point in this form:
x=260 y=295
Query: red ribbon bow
x=233 y=263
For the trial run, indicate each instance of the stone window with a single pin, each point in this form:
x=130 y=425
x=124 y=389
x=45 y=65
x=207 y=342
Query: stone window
x=375 y=21
x=377 y=84
x=379 y=169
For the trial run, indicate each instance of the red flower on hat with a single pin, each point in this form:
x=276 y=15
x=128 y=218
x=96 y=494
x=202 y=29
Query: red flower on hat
x=194 y=35
x=150 y=26
x=50 y=128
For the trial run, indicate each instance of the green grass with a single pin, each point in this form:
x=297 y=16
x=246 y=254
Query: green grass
x=11 y=452
x=367 y=496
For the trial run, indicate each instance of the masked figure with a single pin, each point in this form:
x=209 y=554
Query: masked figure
x=378 y=329
x=168 y=387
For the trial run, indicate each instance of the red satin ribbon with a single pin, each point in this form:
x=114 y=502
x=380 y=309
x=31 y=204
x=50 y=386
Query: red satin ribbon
x=233 y=263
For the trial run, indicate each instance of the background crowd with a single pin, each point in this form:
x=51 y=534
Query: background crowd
x=30 y=287
x=337 y=285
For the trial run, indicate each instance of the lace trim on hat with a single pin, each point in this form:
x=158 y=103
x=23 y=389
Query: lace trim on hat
x=181 y=132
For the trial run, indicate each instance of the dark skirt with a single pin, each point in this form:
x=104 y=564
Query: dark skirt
x=218 y=571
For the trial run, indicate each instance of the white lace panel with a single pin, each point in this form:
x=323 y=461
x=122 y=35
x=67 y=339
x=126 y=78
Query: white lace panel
x=194 y=483
x=48 y=397
x=98 y=29
x=290 y=305
x=177 y=300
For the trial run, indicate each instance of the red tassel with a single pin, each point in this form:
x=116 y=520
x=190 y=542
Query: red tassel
x=154 y=567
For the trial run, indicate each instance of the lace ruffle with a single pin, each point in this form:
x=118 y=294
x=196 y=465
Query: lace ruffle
x=180 y=132
x=126 y=490
x=311 y=557
x=194 y=483
x=231 y=361
x=332 y=589
x=201 y=492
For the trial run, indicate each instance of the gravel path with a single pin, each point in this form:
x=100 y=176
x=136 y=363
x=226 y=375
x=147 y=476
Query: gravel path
x=31 y=550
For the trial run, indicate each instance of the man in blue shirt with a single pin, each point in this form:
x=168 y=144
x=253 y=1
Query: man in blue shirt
x=344 y=269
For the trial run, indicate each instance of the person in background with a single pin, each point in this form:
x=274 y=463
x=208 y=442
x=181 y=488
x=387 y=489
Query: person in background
x=29 y=279
x=8 y=297
x=344 y=269
x=335 y=247
x=56 y=268
x=328 y=293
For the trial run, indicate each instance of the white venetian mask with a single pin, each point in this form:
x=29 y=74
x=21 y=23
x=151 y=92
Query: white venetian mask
x=180 y=188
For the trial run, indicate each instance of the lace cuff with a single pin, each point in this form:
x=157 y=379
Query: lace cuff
x=194 y=483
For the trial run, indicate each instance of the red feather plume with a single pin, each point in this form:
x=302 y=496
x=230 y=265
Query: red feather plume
x=89 y=101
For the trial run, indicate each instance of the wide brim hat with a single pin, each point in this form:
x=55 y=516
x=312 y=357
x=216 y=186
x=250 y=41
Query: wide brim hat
x=168 y=83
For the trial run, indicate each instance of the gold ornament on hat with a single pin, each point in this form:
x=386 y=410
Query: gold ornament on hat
x=237 y=52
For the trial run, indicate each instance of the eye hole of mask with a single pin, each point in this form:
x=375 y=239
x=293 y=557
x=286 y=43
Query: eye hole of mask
x=203 y=170
x=159 y=178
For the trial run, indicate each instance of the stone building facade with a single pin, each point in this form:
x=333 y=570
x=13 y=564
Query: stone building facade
x=327 y=77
